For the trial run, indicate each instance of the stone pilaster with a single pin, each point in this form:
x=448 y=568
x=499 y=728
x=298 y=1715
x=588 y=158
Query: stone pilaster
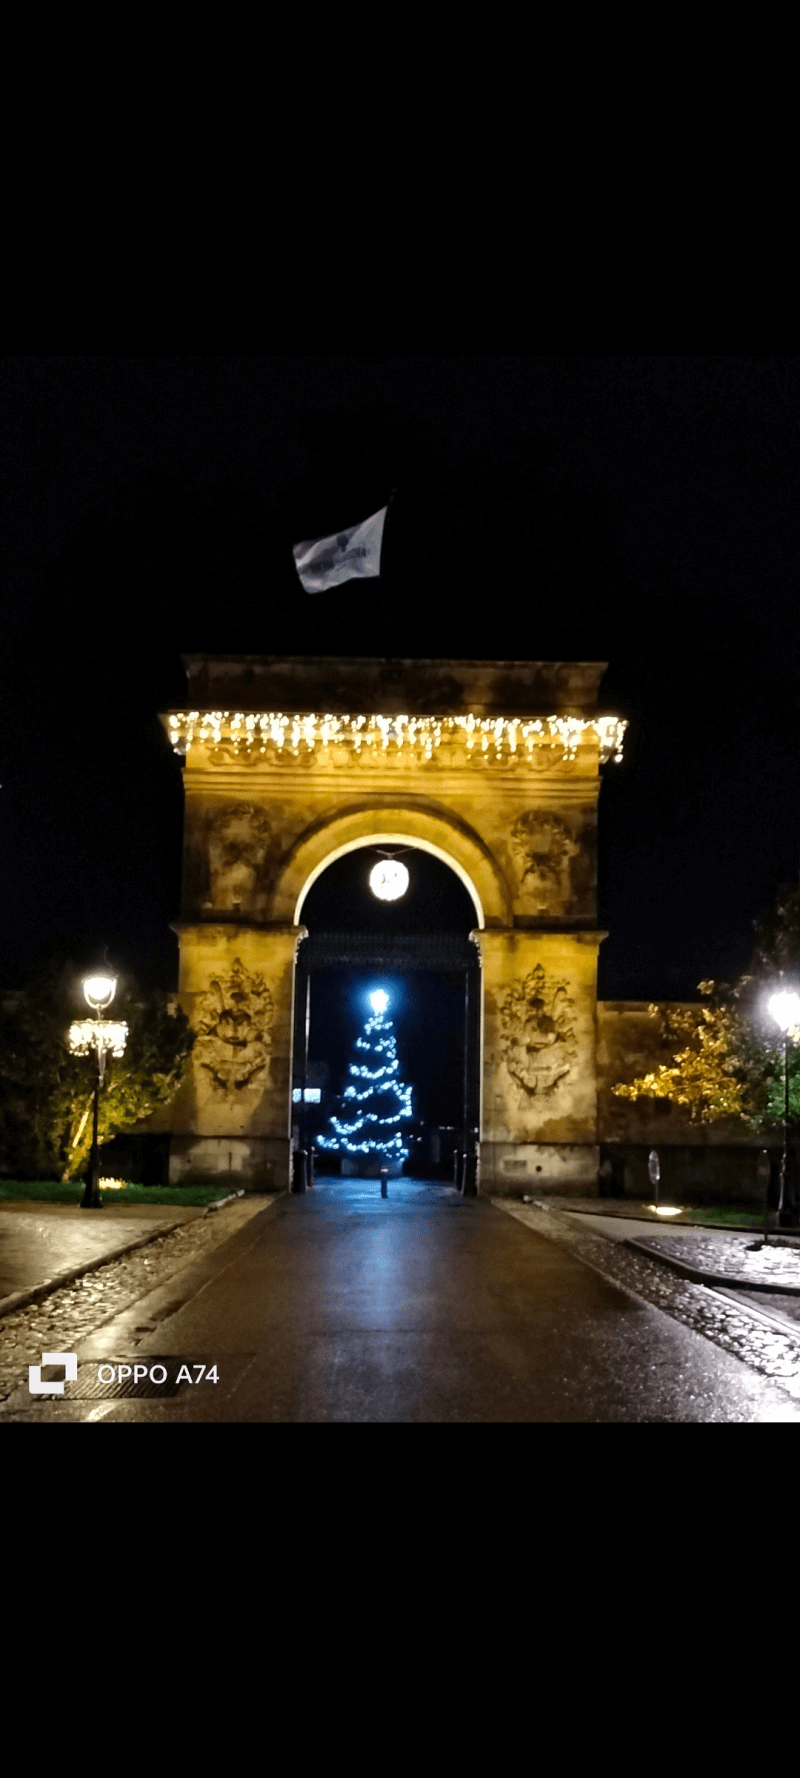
x=539 y=1092
x=233 y=1112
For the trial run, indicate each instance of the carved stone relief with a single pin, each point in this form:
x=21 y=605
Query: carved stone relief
x=542 y=846
x=234 y=1031
x=238 y=843
x=539 y=1041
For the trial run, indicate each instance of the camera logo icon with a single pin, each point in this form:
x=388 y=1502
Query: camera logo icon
x=35 y=1384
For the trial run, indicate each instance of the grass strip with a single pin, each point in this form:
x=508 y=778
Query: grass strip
x=53 y=1191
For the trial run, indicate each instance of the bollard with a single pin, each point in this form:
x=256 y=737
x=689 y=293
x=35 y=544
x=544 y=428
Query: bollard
x=299 y=1172
x=384 y=1178
x=470 y=1177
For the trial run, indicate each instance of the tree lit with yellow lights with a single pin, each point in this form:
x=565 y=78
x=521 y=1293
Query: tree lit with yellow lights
x=725 y=1062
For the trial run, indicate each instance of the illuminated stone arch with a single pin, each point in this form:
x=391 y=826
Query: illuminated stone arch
x=435 y=832
x=490 y=766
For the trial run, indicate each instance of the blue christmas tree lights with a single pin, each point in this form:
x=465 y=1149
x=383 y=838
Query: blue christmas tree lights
x=377 y=1101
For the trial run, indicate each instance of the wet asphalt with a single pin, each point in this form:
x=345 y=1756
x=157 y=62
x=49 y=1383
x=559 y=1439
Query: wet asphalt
x=338 y=1306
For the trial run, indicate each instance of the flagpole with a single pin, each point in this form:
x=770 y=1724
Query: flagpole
x=384 y=602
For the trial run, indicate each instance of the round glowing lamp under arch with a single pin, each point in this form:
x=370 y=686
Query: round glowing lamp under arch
x=388 y=879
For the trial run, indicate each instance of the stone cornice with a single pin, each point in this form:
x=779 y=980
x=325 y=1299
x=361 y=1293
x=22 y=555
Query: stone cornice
x=345 y=683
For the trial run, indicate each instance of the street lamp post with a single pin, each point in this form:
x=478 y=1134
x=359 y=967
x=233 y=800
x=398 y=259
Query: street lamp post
x=101 y=1037
x=785 y=1010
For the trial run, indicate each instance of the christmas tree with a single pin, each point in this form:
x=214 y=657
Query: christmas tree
x=375 y=1102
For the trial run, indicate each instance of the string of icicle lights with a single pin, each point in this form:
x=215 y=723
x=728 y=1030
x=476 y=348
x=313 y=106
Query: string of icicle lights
x=501 y=736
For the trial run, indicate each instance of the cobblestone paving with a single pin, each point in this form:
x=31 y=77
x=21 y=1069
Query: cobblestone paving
x=766 y=1349
x=56 y=1323
x=731 y=1256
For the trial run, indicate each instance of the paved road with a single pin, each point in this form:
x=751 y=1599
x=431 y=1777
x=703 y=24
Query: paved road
x=338 y=1306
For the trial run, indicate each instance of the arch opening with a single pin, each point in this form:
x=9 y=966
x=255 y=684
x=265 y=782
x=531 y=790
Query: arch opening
x=416 y=952
x=399 y=842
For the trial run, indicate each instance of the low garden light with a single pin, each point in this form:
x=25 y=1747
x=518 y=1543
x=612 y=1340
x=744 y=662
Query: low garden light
x=784 y=1008
x=654 y=1174
x=100 y=1037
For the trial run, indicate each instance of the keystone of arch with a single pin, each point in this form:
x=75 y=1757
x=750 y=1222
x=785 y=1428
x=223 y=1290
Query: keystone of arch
x=441 y=834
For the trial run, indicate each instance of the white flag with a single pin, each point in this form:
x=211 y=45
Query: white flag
x=327 y=561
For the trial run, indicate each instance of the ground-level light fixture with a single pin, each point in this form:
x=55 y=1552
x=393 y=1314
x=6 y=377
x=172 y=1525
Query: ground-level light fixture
x=654 y=1175
x=100 y=1037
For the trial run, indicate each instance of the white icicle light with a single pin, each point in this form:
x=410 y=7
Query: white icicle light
x=499 y=737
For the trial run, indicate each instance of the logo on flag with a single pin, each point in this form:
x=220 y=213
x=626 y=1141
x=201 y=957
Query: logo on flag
x=327 y=561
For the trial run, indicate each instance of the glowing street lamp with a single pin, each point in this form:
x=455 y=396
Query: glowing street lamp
x=103 y=1037
x=785 y=1010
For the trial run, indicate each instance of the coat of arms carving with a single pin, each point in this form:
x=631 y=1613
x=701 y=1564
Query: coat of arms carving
x=539 y=1041
x=237 y=848
x=543 y=846
x=234 y=1036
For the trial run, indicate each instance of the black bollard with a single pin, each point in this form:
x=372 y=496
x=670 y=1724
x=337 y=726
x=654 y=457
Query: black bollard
x=469 y=1184
x=384 y=1178
x=299 y=1175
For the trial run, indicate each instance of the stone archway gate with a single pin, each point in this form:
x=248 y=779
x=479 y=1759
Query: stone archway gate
x=494 y=767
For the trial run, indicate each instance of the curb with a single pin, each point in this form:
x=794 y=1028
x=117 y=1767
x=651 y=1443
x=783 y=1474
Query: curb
x=231 y=1199
x=731 y=1281
x=683 y=1222
x=726 y=1287
x=19 y=1299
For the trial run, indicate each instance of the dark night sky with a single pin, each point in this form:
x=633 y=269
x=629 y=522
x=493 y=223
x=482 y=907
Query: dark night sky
x=640 y=511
